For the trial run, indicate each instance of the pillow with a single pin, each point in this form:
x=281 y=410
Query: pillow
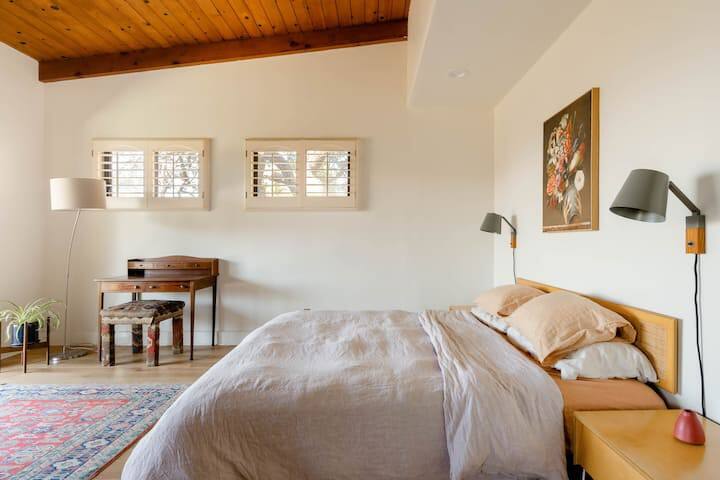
x=607 y=360
x=504 y=300
x=561 y=322
x=492 y=321
x=521 y=342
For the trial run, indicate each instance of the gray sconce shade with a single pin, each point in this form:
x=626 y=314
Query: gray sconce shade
x=643 y=196
x=492 y=223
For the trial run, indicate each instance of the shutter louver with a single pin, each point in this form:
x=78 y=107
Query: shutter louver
x=123 y=173
x=176 y=174
x=328 y=173
x=274 y=174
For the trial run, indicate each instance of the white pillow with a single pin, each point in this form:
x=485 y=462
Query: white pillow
x=521 y=342
x=489 y=319
x=607 y=360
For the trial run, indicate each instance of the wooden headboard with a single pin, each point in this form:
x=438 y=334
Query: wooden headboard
x=656 y=335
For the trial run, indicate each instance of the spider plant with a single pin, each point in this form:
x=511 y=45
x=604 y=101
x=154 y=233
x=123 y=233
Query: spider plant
x=37 y=311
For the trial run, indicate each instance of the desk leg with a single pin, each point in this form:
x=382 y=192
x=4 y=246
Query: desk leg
x=214 y=308
x=192 y=320
x=101 y=297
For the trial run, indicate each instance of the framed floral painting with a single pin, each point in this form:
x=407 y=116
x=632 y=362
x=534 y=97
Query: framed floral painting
x=570 y=166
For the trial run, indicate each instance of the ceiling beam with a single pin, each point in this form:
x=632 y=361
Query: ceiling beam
x=198 y=54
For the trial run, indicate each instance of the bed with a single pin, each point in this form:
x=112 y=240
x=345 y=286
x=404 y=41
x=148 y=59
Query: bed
x=360 y=395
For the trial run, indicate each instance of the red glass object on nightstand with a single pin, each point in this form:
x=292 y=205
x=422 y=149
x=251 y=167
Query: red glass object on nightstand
x=689 y=429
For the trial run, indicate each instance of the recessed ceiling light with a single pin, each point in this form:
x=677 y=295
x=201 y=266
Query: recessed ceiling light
x=458 y=73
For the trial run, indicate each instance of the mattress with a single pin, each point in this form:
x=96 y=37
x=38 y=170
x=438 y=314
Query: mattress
x=587 y=394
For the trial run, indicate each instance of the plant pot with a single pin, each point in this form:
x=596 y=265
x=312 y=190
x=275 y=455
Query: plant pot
x=17 y=333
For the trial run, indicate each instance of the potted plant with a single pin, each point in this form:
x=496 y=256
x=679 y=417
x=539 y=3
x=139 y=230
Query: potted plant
x=34 y=314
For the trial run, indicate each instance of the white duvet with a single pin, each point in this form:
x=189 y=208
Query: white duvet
x=362 y=395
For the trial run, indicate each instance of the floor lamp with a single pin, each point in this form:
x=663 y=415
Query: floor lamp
x=74 y=194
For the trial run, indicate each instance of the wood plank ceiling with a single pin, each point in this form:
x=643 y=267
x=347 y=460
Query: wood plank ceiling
x=84 y=38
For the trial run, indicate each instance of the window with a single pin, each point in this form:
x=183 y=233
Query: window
x=154 y=173
x=301 y=174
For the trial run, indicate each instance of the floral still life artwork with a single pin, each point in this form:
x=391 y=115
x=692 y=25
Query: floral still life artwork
x=570 y=166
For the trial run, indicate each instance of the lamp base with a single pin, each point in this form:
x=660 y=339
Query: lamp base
x=67 y=354
x=688 y=428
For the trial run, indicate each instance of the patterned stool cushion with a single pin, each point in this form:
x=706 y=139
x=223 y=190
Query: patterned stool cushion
x=143 y=311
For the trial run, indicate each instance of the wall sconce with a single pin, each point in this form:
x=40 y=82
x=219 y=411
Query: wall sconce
x=493 y=224
x=643 y=197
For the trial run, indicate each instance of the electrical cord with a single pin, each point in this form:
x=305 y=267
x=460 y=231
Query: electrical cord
x=697 y=334
x=514 y=274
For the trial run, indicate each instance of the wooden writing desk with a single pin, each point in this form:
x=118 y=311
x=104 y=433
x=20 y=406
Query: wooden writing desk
x=164 y=275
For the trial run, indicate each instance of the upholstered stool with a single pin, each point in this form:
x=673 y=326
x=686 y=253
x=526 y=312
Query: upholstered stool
x=138 y=313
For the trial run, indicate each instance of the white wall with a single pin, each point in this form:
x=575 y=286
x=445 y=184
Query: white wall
x=23 y=184
x=420 y=19
x=656 y=63
x=426 y=179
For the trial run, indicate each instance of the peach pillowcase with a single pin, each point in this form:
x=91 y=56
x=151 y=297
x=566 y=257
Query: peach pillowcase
x=561 y=322
x=504 y=300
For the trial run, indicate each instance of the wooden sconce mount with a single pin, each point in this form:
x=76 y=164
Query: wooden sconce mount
x=695 y=234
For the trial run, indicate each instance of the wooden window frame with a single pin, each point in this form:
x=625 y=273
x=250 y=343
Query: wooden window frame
x=149 y=146
x=302 y=201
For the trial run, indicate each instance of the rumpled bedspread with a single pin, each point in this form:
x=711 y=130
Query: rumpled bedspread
x=361 y=395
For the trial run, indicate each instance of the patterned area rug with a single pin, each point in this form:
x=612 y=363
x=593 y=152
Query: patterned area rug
x=73 y=431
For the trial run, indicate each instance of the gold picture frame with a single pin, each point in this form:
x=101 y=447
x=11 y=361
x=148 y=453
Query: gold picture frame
x=570 y=166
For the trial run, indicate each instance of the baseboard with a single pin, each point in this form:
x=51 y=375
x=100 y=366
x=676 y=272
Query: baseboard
x=202 y=337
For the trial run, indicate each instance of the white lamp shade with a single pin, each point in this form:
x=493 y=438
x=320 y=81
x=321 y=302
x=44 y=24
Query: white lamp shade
x=77 y=194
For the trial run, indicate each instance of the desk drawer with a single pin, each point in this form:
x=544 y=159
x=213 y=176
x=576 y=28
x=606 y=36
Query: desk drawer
x=167 y=265
x=147 y=287
x=166 y=287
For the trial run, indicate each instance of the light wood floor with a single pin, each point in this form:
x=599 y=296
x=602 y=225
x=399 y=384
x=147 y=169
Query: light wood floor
x=129 y=369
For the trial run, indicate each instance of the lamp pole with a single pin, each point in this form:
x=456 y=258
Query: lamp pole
x=68 y=353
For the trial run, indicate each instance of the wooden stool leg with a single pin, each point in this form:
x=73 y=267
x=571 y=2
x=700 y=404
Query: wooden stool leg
x=137 y=338
x=177 y=335
x=108 y=344
x=153 y=347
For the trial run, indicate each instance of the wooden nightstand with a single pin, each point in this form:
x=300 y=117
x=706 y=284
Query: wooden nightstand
x=639 y=445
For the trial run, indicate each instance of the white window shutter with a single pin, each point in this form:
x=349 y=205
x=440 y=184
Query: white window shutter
x=272 y=174
x=122 y=166
x=179 y=174
x=331 y=174
x=301 y=174
x=154 y=173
